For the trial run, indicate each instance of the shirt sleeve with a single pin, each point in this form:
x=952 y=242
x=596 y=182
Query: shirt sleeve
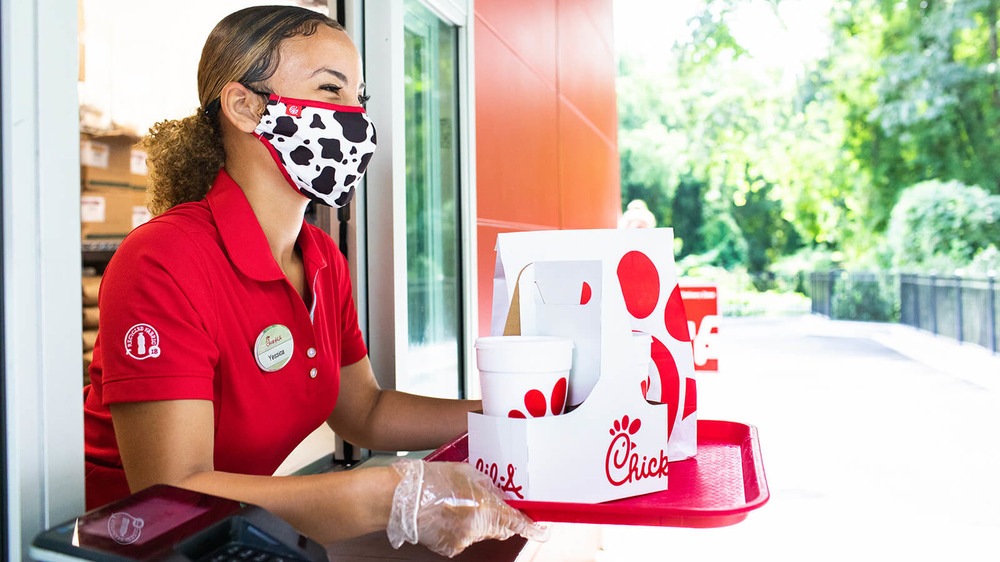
x=158 y=319
x=352 y=344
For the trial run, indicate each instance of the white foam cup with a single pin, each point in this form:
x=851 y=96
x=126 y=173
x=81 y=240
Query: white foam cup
x=524 y=376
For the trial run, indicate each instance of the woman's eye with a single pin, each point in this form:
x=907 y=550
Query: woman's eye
x=363 y=99
x=330 y=88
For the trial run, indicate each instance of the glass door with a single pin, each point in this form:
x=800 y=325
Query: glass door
x=3 y=354
x=433 y=241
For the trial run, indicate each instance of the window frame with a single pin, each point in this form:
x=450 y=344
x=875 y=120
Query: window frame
x=43 y=433
x=385 y=195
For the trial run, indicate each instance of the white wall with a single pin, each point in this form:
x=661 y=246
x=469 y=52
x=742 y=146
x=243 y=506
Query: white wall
x=41 y=267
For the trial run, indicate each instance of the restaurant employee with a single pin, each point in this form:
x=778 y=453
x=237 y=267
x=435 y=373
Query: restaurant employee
x=228 y=331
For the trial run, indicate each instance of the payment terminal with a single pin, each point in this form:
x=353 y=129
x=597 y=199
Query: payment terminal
x=168 y=523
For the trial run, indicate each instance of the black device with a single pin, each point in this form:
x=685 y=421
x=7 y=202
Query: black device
x=166 y=523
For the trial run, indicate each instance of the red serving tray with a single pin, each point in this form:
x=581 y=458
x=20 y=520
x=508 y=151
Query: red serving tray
x=719 y=487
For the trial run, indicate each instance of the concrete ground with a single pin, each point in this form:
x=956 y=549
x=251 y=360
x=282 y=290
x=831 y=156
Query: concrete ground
x=879 y=443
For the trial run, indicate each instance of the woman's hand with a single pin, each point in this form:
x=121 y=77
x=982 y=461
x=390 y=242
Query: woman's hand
x=447 y=506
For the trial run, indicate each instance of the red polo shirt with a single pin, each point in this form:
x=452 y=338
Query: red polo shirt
x=182 y=304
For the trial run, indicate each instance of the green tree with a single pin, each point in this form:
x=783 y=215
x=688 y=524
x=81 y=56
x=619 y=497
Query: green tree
x=908 y=92
x=688 y=210
x=943 y=225
x=697 y=126
x=918 y=81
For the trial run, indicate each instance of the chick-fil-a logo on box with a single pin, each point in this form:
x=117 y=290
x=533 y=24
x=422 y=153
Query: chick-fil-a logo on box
x=505 y=483
x=622 y=464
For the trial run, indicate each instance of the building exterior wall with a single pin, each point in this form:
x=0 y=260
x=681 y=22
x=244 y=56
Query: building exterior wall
x=546 y=122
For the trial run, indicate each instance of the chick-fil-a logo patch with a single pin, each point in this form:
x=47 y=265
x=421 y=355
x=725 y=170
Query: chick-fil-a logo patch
x=622 y=464
x=124 y=528
x=505 y=483
x=142 y=342
x=293 y=110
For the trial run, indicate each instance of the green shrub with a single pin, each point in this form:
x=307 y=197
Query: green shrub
x=942 y=225
x=865 y=297
x=724 y=239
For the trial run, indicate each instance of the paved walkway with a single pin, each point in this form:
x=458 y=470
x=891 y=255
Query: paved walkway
x=879 y=443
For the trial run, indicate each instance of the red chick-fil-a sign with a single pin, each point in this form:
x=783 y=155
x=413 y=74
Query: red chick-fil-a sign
x=701 y=302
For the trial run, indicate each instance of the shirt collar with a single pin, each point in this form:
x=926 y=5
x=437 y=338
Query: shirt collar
x=312 y=254
x=243 y=237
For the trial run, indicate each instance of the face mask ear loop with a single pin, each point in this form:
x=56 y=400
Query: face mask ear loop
x=263 y=110
x=263 y=94
x=260 y=118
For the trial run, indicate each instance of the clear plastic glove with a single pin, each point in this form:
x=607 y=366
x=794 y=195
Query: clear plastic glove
x=446 y=506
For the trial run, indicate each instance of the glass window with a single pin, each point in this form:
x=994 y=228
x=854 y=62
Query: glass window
x=432 y=205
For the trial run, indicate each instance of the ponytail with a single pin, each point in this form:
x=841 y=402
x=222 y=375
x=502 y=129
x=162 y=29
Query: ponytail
x=184 y=156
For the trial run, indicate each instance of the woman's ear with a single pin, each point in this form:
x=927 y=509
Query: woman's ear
x=241 y=106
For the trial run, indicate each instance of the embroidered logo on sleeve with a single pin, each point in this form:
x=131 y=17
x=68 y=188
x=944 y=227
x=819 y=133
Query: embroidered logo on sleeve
x=142 y=342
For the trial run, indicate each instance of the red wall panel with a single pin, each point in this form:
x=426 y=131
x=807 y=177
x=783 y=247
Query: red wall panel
x=601 y=12
x=528 y=27
x=546 y=122
x=585 y=170
x=587 y=68
x=517 y=159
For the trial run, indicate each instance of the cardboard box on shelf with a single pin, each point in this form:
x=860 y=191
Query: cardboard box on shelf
x=111 y=212
x=111 y=160
x=91 y=317
x=112 y=185
x=89 y=338
x=88 y=358
x=91 y=288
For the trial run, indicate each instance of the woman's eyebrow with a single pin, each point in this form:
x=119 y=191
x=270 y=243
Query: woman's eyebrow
x=336 y=73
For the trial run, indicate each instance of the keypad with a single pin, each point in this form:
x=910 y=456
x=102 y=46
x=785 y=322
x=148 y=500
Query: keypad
x=242 y=553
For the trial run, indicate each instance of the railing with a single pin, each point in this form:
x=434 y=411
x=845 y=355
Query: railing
x=746 y=294
x=958 y=307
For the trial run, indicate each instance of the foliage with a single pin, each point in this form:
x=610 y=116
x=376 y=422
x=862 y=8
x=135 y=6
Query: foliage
x=943 y=225
x=924 y=102
x=986 y=262
x=767 y=233
x=908 y=93
x=688 y=214
x=865 y=297
x=723 y=237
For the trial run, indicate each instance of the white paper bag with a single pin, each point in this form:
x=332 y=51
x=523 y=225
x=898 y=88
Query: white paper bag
x=639 y=275
x=614 y=445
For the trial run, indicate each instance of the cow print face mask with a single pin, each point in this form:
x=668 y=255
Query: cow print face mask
x=322 y=149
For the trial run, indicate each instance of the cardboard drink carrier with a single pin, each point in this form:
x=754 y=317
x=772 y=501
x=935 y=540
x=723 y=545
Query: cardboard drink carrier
x=631 y=404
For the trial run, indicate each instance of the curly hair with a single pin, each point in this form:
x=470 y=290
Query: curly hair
x=185 y=155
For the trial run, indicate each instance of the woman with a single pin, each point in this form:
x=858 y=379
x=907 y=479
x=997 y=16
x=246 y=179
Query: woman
x=228 y=332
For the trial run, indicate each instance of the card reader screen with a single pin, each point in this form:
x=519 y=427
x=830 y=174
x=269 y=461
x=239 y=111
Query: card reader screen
x=142 y=522
x=147 y=524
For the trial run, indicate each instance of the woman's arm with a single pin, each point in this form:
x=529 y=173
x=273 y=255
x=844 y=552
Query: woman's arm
x=390 y=420
x=445 y=506
x=171 y=442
